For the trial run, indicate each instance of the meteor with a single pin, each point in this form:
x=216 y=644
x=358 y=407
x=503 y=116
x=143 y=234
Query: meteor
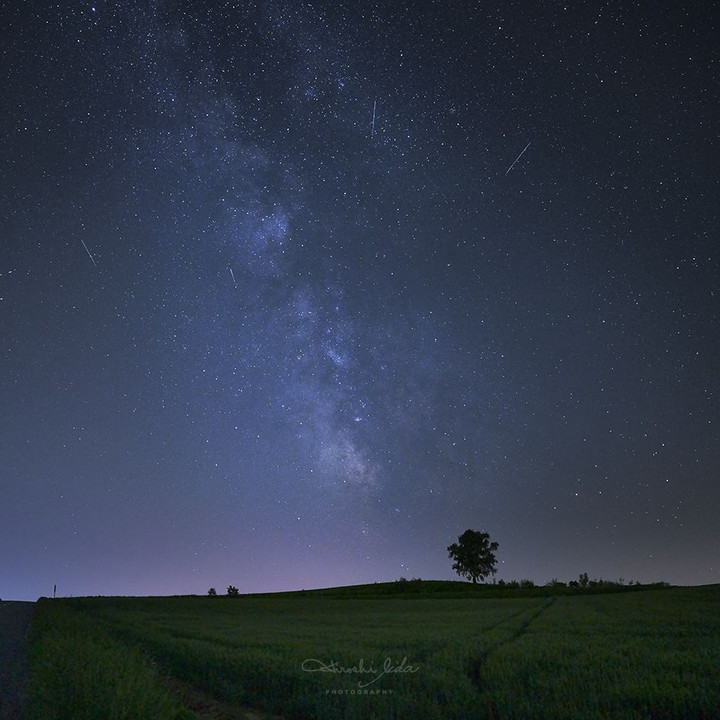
x=517 y=158
x=88 y=252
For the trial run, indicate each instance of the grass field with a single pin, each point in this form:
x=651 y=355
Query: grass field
x=440 y=650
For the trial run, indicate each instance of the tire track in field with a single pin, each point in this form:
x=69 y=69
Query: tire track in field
x=207 y=707
x=477 y=663
x=203 y=705
x=509 y=618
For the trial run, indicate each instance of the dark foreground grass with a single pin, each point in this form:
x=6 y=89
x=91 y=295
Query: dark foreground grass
x=651 y=654
x=79 y=672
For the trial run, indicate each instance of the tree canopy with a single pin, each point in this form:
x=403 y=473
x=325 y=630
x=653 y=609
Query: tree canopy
x=474 y=555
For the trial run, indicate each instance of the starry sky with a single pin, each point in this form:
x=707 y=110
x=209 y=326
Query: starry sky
x=294 y=293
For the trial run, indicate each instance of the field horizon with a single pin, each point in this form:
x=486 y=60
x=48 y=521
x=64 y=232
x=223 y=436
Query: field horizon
x=415 y=586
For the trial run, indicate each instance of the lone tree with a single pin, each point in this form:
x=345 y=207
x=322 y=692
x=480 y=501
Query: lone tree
x=474 y=555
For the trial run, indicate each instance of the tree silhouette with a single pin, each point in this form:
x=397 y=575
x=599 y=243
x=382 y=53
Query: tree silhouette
x=474 y=555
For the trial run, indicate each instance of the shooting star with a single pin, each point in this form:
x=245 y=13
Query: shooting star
x=88 y=252
x=372 y=126
x=517 y=158
x=232 y=274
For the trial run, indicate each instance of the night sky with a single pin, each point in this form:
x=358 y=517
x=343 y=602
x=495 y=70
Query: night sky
x=292 y=294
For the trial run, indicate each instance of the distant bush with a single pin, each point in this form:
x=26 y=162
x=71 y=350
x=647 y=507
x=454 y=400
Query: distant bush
x=212 y=592
x=232 y=591
x=404 y=585
x=555 y=583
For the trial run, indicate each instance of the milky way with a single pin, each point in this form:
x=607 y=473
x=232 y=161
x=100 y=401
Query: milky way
x=285 y=303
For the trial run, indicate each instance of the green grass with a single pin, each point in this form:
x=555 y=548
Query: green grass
x=79 y=672
x=456 y=652
x=638 y=656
